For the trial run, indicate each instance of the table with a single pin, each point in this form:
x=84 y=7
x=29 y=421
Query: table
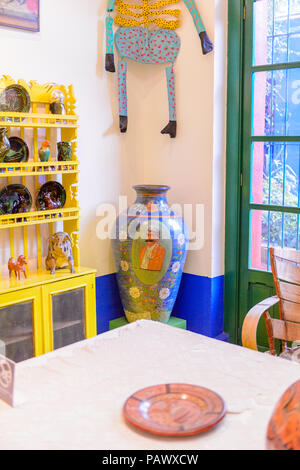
x=72 y=398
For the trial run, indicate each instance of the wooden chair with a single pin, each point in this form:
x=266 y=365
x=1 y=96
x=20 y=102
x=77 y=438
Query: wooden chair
x=285 y=263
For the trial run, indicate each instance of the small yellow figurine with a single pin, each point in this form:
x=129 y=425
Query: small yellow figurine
x=44 y=151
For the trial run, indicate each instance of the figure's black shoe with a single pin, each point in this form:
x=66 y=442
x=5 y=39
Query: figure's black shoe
x=170 y=129
x=207 y=45
x=109 y=63
x=123 y=123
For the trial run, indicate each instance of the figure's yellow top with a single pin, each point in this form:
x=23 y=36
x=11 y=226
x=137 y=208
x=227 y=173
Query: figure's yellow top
x=145 y=12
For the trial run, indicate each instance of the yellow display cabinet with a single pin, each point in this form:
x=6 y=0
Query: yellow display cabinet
x=43 y=311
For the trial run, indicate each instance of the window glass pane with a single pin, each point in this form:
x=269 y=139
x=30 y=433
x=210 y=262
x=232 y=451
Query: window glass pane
x=290 y=230
x=276 y=31
x=275 y=166
x=275 y=173
x=259 y=242
x=294 y=48
x=276 y=103
x=292 y=167
x=271 y=229
x=274 y=234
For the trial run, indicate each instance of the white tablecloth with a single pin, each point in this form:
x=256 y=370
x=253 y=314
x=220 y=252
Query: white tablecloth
x=72 y=398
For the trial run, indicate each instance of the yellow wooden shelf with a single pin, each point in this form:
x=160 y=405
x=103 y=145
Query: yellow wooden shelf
x=15 y=338
x=37 y=292
x=38 y=217
x=62 y=325
x=38 y=168
x=37 y=278
x=35 y=120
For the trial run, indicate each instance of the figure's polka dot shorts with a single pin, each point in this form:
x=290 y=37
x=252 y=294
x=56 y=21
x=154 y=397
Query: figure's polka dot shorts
x=150 y=47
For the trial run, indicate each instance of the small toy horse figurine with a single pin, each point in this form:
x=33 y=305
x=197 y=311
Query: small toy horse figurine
x=17 y=267
x=137 y=40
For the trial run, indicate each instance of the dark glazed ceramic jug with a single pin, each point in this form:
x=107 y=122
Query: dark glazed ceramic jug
x=64 y=151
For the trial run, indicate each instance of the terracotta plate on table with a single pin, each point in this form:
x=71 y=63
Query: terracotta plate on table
x=174 y=409
x=284 y=425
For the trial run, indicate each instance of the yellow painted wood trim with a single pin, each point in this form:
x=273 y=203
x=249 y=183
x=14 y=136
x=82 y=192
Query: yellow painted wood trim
x=90 y=310
x=38 y=217
x=50 y=123
x=38 y=168
x=34 y=116
x=43 y=277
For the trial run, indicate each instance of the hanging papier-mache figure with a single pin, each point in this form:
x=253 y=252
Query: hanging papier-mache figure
x=147 y=34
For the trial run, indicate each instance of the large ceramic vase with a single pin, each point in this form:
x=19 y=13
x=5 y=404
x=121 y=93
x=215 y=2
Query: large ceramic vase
x=150 y=251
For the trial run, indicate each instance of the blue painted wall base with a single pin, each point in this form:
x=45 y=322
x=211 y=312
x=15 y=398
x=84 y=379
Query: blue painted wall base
x=108 y=301
x=200 y=302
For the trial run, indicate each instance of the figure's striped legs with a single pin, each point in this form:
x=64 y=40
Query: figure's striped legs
x=109 y=56
x=171 y=92
x=122 y=79
x=172 y=125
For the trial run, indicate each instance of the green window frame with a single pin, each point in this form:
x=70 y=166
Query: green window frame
x=239 y=142
x=233 y=165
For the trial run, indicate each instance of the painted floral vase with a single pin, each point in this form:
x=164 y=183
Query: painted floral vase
x=149 y=248
x=4 y=143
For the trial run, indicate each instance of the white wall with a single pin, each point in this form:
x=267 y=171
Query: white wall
x=219 y=138
x=70 y=49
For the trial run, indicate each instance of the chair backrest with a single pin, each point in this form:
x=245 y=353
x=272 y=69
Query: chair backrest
x=285 y=263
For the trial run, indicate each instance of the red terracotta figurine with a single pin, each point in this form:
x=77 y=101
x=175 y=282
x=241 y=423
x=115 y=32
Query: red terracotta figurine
x=17 y=267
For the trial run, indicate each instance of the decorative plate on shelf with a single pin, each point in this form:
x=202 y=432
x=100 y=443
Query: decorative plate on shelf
x=18 y=152
x=52 y=195
x=15 y=199
x=174 y=409
x=16 y=99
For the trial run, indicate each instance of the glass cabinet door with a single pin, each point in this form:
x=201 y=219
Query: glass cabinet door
x=68 y=317
x=69 y=311
x=20 y=324
x=16 y=332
